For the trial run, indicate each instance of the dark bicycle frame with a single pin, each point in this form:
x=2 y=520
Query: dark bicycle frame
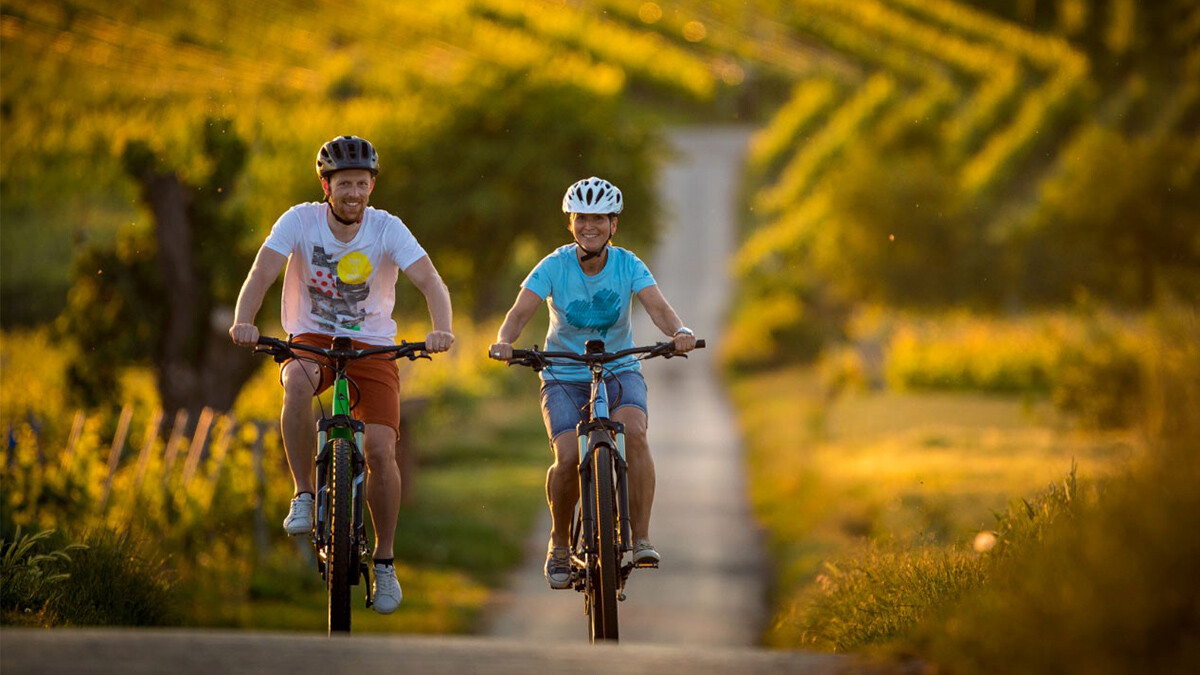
x=340 y=425
x=595 y=432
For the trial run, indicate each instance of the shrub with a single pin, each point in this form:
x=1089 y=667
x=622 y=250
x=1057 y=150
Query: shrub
x=1113 y=590
x=110 y=580
x=115 y=580
x=29 y=578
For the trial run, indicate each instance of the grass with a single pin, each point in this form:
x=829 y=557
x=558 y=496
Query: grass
x=894 y=473
x=110 y=579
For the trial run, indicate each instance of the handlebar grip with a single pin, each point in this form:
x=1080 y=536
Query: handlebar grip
x=699 y=344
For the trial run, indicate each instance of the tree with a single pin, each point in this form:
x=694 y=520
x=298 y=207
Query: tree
x=488 y=171
x=1119 y=218
x=161 y=295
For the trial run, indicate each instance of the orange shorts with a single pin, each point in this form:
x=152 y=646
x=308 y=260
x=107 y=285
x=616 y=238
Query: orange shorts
x=375 y=382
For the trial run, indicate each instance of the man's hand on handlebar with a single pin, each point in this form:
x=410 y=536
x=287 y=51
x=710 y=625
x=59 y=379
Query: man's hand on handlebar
x=439 y=341
x=244 y=334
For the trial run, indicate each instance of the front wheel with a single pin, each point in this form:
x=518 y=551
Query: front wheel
x=602 y=565
x=340 y=563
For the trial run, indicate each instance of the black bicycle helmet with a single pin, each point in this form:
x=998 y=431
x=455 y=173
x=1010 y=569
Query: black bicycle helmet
x=347 y=152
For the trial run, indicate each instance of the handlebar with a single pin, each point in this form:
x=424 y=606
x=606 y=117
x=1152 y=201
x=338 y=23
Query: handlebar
x=537 y=359
x=282 y=350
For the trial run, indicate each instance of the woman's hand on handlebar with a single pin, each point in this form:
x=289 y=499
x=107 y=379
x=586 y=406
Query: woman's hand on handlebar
x=244 y=334
x=439 y=341
x=684 y=343
x=501 y=351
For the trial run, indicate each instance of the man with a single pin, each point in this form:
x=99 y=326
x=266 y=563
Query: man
x=343 y=259
x=589 y=287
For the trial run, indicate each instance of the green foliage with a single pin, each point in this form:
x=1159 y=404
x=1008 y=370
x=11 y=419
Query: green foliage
x=30 y=579
x=1118 y=219
x=880 y=595
x=118 y=579
x=1099 y=380
x=989 y=186
x=889 y=218
x=1109 y=591
x=111 y=579
x=488 y=169
x=961 y=352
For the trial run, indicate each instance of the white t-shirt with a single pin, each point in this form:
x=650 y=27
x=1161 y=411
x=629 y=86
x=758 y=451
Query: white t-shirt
x=342 y=289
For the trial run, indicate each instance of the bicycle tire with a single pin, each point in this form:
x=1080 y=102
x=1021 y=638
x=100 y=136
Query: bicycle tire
x=339 y=565
x=602 y=591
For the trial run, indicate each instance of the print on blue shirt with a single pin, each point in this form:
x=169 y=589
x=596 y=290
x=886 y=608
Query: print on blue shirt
x=599 y=314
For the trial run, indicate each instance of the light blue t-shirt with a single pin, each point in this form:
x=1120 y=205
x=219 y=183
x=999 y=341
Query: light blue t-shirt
x=586 y=307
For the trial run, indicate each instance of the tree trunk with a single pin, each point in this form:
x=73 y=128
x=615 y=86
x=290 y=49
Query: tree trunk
x=197 y=364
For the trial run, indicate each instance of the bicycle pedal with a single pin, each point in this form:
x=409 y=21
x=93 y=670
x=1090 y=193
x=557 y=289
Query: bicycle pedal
x=646 y=565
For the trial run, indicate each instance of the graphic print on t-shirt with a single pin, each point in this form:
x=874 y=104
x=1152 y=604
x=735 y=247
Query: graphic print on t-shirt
x=336 y=301
x=599 y=314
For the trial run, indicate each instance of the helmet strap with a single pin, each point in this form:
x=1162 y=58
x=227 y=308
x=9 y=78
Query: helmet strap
x=588 y=255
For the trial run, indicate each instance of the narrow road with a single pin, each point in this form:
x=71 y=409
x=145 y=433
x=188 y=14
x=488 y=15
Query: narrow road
x=710 y=588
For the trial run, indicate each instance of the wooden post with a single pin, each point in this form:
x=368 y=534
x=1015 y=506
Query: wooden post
x=76 y=431
x=198 y=439
x=260 y=522
x=114 y=453
x=228 y=425
x=147 y=445
x=181 y=418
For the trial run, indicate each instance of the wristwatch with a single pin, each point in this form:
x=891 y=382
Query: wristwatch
x=684 y=330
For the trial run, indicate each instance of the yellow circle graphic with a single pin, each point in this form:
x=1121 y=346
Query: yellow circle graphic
x=354 y=268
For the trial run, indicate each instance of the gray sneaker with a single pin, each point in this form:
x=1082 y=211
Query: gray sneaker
x=300 y=516
x=387 y=591
x=644 y=553
x=558 y=567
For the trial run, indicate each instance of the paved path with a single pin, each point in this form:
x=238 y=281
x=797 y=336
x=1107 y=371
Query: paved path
x=191 y=652
x=710 y=589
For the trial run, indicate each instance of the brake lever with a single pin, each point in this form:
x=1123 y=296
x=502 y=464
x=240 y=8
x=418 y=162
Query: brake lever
x=536 y=365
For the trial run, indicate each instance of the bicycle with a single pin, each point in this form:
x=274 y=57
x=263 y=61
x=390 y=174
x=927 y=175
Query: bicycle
x=600 y=532
x=339 y=535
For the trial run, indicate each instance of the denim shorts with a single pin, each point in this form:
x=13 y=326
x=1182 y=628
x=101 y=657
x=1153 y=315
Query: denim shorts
x=564 y=404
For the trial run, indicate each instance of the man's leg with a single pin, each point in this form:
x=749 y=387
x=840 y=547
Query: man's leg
x=297 y=426
x=641 y=469
x=383 y=486
x=562 y=487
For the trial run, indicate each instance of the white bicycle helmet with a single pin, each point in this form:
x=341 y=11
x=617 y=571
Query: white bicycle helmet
x=592 y=195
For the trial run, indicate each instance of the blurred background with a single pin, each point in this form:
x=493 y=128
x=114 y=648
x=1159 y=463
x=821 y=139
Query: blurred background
x=967 y=267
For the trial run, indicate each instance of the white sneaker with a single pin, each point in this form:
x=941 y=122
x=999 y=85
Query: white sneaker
x=644 y=553
x=387 y=591
x=300 y=516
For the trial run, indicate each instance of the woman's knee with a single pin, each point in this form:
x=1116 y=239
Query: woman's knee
x=566 y=451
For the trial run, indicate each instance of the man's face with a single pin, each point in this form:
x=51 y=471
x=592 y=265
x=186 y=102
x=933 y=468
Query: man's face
x=592 y=229
x=349 y=191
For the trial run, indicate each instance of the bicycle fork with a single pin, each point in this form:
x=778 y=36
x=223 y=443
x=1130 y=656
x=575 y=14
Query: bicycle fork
x=612 y=435
x=358 y=463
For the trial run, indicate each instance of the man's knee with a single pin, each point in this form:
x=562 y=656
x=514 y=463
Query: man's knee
x=299 y=384
x=380 y=447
